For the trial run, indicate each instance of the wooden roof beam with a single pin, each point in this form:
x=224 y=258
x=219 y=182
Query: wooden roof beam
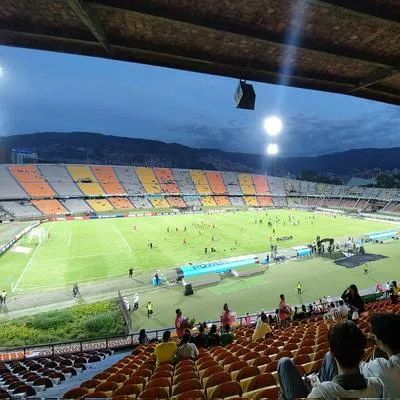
x=375 y=78
x=91 y=21
x=249 y=31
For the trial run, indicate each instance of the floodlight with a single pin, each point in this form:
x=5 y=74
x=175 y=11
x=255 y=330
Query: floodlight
x=273 y=125
x=272 y=149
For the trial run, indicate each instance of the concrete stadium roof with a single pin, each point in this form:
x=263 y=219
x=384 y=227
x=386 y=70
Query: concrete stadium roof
x=344 y=46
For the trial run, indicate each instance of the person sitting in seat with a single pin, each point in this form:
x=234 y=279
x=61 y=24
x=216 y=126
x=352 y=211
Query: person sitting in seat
x=165 y=351
x=262 y=328
x=187 y=349
x=213 y=337
x=340 y=375
x=201 y=339
x=227 y=336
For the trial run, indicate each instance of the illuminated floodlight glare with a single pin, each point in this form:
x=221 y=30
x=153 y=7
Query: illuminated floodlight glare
x=273 y=125
x=2 y=71
x=272 y=149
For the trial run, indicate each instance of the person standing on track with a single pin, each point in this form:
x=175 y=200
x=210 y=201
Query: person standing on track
x=299 y=286
x=149 y=309
x=130 y=272
x=366 y=269
x=135 y=302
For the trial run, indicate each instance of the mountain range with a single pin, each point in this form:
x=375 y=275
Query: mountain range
x=96 y=148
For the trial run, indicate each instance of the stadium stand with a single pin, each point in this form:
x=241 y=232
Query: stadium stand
x=216 y=182
x=279 y=201
x=236 y=201
x=261 y=184
x=176 y=201
x=32 y=181
x=50 y=207
x=265 y=201
x=148 y=179
x=159 y=202
x=208 y=201
x=347 y=203
x=100 y=205
x=108 y=180
x=246 y=184
x=304 y=188
x=77 y=206
x=387 y=194
x=184 y=181
x=293 y=201
x=292 y=186
x=121 y=203
x=60 y=179
x=20 y=209
x=200 y=181
x=315 y=201
x=83 y=176
x=360 y=204
x=251 y=201
x=140 y=202
x=276 y=186
x=231 y=183
x=129 y=180
x=372 y=193
x=323 y=189
x=329 y=203
x=192 y=201
x=9 y=188
x=166 y=180
x=312 y=188
x=222 y=200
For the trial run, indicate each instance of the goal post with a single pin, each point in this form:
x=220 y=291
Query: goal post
x=36 y=236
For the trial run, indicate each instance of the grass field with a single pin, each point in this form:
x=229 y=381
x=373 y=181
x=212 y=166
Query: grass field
x=93 y=250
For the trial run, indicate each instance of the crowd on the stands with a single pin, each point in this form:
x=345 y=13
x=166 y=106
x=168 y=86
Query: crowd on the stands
x=343 y=374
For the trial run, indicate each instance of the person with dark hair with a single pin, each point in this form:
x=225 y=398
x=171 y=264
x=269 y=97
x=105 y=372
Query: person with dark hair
x=354 y=302
x=284 y=311
x=165 y=351
x=213 y=337
x=262 y=328
x=143 y=339
x=187 y=349
x=179 y=323
x=201 y=339
x=394 y=292
x=227 y=337
x=226 y=317
x=340 y=375
x=385 y=329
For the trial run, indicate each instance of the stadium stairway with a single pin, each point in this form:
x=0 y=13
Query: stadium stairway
x=92 y=369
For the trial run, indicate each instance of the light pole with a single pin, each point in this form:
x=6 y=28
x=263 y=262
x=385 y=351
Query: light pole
x=272 y=151
x=273 y=126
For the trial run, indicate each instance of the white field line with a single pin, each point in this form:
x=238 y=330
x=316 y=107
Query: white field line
x=69 y=239
x=122 y=237
x=29 y=263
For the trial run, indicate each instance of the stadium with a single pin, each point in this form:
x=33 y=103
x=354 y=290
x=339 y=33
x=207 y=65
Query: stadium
x=99 y=262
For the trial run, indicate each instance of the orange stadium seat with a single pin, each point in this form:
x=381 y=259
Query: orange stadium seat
x=148 y=179
x=222 y=200
x=216 y=182
x=251 y=201
x=265 y=201
x=50 y=207
x=108 y=180
x=87 y=182
x=199 y=179
x=159 y=203
x=246 y=183
x=121 y=203
x=176 y=201
x=261 y=184
x=32 y=181
x=166 y=180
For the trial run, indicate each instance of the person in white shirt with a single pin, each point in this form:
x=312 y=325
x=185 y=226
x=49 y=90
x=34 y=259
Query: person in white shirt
x=135 y=302
x=187 y=349
x=343 y=309
x=347 y=345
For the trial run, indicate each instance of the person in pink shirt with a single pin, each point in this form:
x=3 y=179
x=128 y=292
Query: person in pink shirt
x=226 y=317
x=284 y=311
x=179 y=323
x=247 y=320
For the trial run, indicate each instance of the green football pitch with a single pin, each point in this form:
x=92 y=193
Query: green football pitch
x=95 y=250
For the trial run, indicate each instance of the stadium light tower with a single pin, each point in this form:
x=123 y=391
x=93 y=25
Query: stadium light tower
x=273 y=125
x=272 y=150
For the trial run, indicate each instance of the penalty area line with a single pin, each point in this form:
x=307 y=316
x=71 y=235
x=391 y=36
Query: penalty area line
x=29 y=263
x=69 y=239
x=122 y=237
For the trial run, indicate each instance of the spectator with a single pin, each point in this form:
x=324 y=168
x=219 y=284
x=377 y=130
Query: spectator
x=394 y=292
x=247 y=320
x=226 y=317
x=226 y=337
x=201 y=339
x=179 y=323
x=143 y=339
x=354 y=302
x=165 y=351
x=343 y=309
x=385 y=328
x=135 y=302
x=347 y=344
x=186 y=331
x=213 y=337
x=284 y=311
x=187 y=350
x=262 y=328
